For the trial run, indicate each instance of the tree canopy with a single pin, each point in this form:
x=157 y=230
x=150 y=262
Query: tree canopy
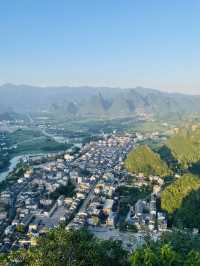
x=144 y=160
x=185 y=146
x=188 y=215
x=173 y=195
x=70 y=248
x=173 y=249
x=80 y=248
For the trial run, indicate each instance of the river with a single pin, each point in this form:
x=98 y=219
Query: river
x=13 y=162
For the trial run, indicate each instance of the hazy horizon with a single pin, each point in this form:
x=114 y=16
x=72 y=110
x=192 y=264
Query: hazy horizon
x=187 y=92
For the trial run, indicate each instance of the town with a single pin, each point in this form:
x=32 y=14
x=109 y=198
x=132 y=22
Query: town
x=77 y=190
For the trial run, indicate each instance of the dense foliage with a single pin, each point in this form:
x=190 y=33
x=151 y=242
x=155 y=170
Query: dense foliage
x=163 y=255
x=181 y=241
x=144 y=160
x=70 y=248
x=174 y=194
x=167 y=156
x=188 y=215
x=173 y=249
x=80 y=248
x=185 y=146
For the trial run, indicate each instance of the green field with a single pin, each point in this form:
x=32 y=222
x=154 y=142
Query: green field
x=29 y=141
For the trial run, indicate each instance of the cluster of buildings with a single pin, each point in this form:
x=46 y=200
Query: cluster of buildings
x=105 y=155
x=104 y=159
x=11 y=125
x=100 y=209
x=144 y=215
x=156 y=182
x=33 y=200
x=5 y=148
x=77 y=190
x=39 y=200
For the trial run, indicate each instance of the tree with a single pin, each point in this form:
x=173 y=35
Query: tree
x=188 y=214
x=193 y=259
x=173 y=249
x=168 y=256
x=155 y=255
x=71 y=248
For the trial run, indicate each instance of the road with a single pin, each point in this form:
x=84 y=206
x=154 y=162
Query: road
x=88 y=199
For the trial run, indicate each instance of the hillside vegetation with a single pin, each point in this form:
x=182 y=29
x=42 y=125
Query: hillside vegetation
x=188 y=215
x=144 y=160
x=185 y=146
x=173 y=195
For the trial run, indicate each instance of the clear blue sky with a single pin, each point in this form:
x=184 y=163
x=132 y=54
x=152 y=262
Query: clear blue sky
x=106 y=42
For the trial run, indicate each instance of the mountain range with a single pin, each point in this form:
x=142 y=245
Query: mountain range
x=96 y=101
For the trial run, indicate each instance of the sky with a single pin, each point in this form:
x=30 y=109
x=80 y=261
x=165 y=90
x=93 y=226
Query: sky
x=116 y=43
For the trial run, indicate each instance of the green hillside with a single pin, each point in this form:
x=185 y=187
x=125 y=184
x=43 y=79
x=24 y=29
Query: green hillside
x=144 y=160
x=188 y=215
x=173 y=195
x=185 y=146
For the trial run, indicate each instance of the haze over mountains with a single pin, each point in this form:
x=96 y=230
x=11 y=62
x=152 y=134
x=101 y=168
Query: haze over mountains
x=93 y=101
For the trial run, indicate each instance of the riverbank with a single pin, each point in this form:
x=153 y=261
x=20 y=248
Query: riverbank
x=16 y=159
x=13 y=163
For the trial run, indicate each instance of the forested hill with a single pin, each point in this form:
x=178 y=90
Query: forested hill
x=173 y=195
x=181 y=200
x=185 y=146
x=144 y=160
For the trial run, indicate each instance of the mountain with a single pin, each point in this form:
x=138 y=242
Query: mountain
x=21 y=98
x=95 y=105
x=97 y=101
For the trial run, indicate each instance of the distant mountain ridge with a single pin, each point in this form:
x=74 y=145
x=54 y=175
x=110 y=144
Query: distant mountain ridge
x=96 y=101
